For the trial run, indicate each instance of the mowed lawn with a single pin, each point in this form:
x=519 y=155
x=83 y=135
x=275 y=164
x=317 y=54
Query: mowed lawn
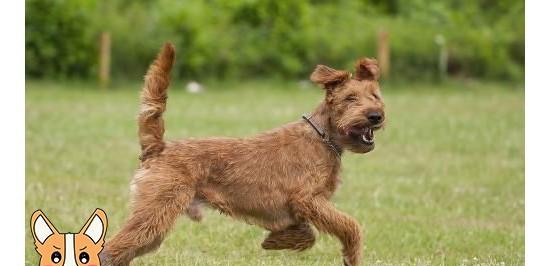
x=444 y=186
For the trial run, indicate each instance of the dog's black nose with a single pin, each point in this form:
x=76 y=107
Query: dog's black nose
x=374 y=117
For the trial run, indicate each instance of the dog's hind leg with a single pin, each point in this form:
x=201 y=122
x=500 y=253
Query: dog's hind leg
x=160 y=197
x=295 y=237
x=326 y=218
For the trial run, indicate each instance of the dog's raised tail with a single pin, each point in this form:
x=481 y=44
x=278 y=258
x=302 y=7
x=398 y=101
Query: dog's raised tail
x=153 y=103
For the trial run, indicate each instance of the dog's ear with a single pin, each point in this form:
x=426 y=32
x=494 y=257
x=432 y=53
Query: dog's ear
x=328 y=77
x=367 y=69
x=96 y=227
x=41 y=227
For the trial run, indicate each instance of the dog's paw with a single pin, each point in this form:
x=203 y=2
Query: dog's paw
x=350 y=261
x=347 y=262
x=104 y=259
x=271 y=245
x=278 y=242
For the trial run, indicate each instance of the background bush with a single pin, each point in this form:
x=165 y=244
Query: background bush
x=58 y=39
x=252 y=38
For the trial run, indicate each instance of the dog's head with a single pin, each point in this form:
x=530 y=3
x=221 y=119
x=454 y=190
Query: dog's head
x=355 y=105
x=69 y=249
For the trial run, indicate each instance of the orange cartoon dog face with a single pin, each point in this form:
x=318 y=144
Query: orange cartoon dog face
x=69 y=249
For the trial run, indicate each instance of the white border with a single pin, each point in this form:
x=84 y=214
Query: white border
x=537 y=132
x=537 y=125
x=12 y=138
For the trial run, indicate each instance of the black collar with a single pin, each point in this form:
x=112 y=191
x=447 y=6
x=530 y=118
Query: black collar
x=324 y=136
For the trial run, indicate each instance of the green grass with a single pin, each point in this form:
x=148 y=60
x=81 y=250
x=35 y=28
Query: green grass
x=445 y=185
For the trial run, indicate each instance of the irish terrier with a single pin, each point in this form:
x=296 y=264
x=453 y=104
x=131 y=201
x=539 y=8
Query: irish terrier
x=281 y=180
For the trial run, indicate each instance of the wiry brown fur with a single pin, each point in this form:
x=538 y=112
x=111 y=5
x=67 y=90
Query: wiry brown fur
x=153 y=103
x=281 y=180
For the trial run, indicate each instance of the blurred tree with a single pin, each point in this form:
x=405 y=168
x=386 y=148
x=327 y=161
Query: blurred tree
x=58 y=38
x=251 y=38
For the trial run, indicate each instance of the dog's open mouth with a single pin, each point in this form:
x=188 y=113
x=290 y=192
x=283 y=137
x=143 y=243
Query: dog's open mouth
x=365 y=135
x=368 y=136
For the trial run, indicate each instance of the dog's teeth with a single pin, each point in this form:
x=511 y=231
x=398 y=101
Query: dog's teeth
x=364 y=137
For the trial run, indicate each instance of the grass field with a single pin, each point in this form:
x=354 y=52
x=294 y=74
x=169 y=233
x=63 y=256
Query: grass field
x=444 y=186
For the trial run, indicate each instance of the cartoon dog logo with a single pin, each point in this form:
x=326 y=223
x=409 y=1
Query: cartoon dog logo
x=69 y=249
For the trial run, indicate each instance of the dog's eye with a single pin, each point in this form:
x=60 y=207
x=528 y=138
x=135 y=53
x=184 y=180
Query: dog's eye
x=376 y=96
x=351 y=98
x=56 y=257
x=84 y=257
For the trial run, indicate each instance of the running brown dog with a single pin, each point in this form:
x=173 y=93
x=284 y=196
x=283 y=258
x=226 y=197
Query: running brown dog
x=281 y=180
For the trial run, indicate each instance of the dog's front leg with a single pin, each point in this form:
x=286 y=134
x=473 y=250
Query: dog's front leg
x=326 y=218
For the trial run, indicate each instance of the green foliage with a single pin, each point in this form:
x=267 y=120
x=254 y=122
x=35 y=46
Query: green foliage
x=251 y=38
x=58 y=39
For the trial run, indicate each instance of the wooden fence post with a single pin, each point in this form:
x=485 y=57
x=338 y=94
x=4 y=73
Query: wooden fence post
x=104 y=59
x=443 y=56
x=384 y=53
